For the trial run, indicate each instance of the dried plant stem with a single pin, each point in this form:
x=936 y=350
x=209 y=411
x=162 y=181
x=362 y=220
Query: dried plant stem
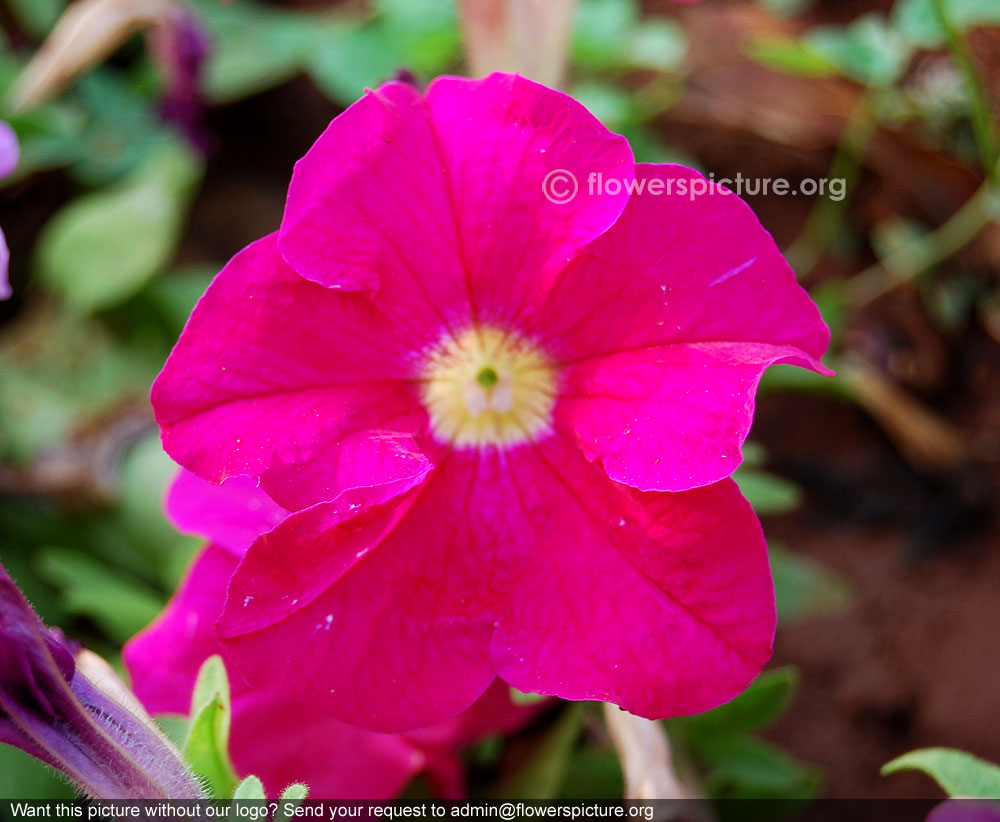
x=925 y=439
x=530 y=37
x=916 y=257
x=649 y=766
x=86 y=33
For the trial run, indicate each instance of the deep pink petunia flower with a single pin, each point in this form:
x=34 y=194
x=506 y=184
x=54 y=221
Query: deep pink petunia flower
x=278 y=739
x=505 y=420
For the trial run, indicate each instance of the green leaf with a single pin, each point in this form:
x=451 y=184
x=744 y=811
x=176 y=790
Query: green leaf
x=592 y=774
x=787 y=377
x=121 y=606
x=123 y=131
x=657 y=44
x=601 y=32
x=754 y=454
x=23 y=776
x=833 y=302
x=296 y=792
x=957 y=772
x=756 y=708
x=422 y=34
x=918 y=21
x=102 y=247
x=521 y=698
x=867 y=50
x=57 y=372
x=250 y=788
x=788 y=56
x=893 y=235
x=258 y=48
x=804 y=588
x=350 y=58
x=742 y=767
x=767 y=493
x=175 y=295
x=253 y=47
x=50 y=136
x=212 y=683
x=174 y=728
x=207 y=745
x=785 y=8
x=542 y=776
x=37 y=16
x=146 y=473
x=291 y=798
x=610 y=104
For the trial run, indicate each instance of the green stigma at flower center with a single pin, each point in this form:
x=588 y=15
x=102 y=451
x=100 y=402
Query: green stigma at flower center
x=487 y=377
x=488 y=387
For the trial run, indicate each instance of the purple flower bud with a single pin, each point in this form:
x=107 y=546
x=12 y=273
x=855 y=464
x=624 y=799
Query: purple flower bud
x=180 y=46
x=9 y=156
x=49 y=709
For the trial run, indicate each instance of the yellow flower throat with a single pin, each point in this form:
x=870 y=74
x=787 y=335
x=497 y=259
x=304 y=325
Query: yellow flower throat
x=488 y=387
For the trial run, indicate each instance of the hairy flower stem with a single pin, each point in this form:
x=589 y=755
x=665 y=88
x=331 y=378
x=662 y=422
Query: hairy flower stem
x=51 y=710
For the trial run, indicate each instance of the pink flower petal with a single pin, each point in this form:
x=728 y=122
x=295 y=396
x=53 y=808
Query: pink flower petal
x=231 y=515
x=282 y=740
x=500 y=138
x=428 y=201
x=494 y=564
x=405 y=590
x=686 y=618
x=665 y=325
x=493 y=713
x=670 y=417
x=368 y=209
x=269 y=733
x=311 y=413
x=164 y=659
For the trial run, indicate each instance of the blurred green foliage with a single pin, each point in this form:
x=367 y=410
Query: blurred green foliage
x=257 y=47
x=736 y=762
x=104 y=246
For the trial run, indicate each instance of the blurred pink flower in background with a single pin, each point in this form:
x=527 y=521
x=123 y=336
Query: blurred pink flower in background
x=505 y=423
x=966 y=810
x=276 y=738
x=10 y=154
